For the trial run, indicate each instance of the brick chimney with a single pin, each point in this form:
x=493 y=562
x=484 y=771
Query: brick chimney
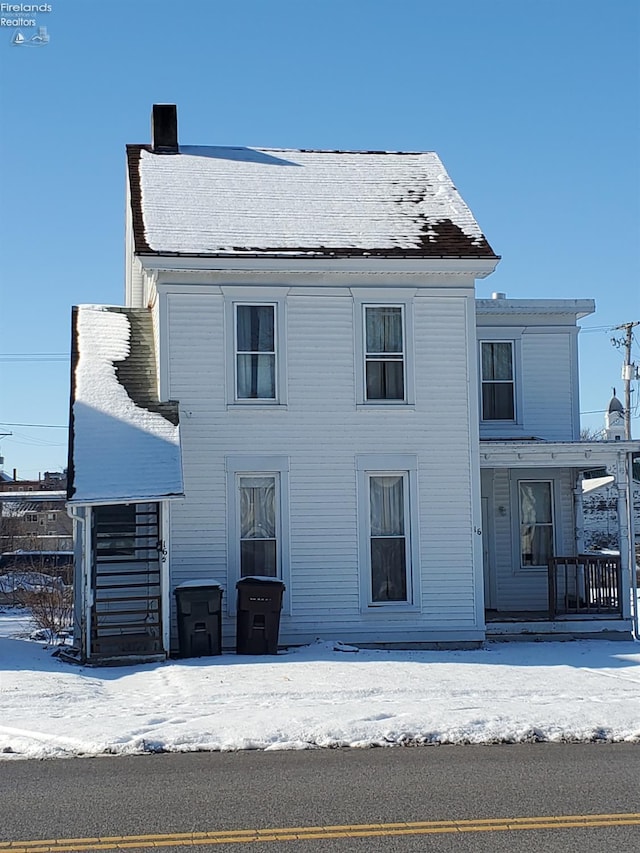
x=164 y=129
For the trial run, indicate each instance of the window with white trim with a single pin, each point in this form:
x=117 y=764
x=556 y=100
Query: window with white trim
x=384 y=353
x=258 y=503
x=388 y=531
x=497 y=380
x=389 y=552
x=535 y=501
x=255 y=336
x=257 y=519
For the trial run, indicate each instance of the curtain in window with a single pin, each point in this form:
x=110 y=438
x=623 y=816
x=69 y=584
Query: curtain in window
x=384 y=353
x=388 y=543
x=256 y=359
x=536 y=523
x=258 y=526
x=497 y=381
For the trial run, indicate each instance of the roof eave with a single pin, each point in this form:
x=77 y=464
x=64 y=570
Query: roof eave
x=163 y=261
x=554 y=454
x=124 y=499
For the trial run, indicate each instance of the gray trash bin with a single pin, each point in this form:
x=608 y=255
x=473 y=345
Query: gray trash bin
x=199 y=614
x=258 y=617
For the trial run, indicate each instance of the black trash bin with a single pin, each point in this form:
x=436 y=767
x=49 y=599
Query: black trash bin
x=199 y=613
x=258 y=618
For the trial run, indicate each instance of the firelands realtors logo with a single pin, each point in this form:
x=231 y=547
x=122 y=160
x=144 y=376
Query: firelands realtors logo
x=13 y=15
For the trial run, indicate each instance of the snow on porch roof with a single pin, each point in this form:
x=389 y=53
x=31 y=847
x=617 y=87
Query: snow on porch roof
x=124 y=444
x=228 y=202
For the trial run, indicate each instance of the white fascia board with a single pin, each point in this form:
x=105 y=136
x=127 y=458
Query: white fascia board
x=577 y=307
x=554 y=454
x=125 y=499
x=477 y=268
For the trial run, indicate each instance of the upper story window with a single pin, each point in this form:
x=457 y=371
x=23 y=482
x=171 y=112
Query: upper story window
x=384 y=354
x=255 y=335
x=497 y=377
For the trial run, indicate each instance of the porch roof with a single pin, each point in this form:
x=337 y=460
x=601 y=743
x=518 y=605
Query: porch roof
x=554 y=454
x=124 y=444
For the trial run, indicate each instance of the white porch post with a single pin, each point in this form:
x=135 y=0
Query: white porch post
x=622 y=488
x=578 y=509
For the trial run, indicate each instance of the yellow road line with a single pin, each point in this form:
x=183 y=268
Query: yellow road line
x=305 y=833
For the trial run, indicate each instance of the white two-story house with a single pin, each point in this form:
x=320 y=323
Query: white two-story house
x=302 y=385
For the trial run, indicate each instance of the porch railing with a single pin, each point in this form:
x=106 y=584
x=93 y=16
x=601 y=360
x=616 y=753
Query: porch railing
x=585 y=585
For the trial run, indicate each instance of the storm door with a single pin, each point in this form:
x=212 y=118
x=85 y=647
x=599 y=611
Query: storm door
x=126 y=611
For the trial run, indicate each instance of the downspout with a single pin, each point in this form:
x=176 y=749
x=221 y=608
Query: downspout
x=80 y=574
x=632 y=548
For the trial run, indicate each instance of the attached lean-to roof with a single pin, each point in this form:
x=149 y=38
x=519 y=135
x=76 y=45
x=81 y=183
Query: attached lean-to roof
x=239 y=202
x=124 y=444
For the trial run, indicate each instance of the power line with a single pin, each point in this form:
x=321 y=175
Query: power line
x=35 y=357
x=39 y=426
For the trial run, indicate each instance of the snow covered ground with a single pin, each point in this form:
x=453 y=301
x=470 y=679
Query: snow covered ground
x=323 y=695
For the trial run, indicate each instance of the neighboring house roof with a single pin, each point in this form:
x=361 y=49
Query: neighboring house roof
x=124 y=444
x=48 y=496
x=226 y=202
x=615 y=406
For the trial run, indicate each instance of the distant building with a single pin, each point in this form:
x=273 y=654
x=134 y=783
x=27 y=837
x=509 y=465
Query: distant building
x=33 y=514
x=600 y=494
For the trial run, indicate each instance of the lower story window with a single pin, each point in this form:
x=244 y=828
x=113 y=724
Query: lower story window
x=258 y=503
x=536 y=522
x=388 y=537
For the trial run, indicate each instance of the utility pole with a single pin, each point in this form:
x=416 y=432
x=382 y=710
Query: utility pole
x=3 y=435
x=629 y=370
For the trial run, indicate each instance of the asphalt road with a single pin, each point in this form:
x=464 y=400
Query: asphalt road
x=225 y=793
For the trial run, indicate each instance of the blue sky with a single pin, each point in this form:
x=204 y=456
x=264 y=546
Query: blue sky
x=532 y=106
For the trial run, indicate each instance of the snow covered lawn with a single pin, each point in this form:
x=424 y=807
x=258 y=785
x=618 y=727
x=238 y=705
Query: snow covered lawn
x=323 y=695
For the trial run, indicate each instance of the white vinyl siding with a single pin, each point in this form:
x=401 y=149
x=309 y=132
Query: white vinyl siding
x=545 y=381
x=322 y=431
x=549 y=385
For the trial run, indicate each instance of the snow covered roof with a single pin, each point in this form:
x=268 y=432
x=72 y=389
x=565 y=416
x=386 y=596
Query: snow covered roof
x=230 y=202
x=124 y=444
x=592 y=483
